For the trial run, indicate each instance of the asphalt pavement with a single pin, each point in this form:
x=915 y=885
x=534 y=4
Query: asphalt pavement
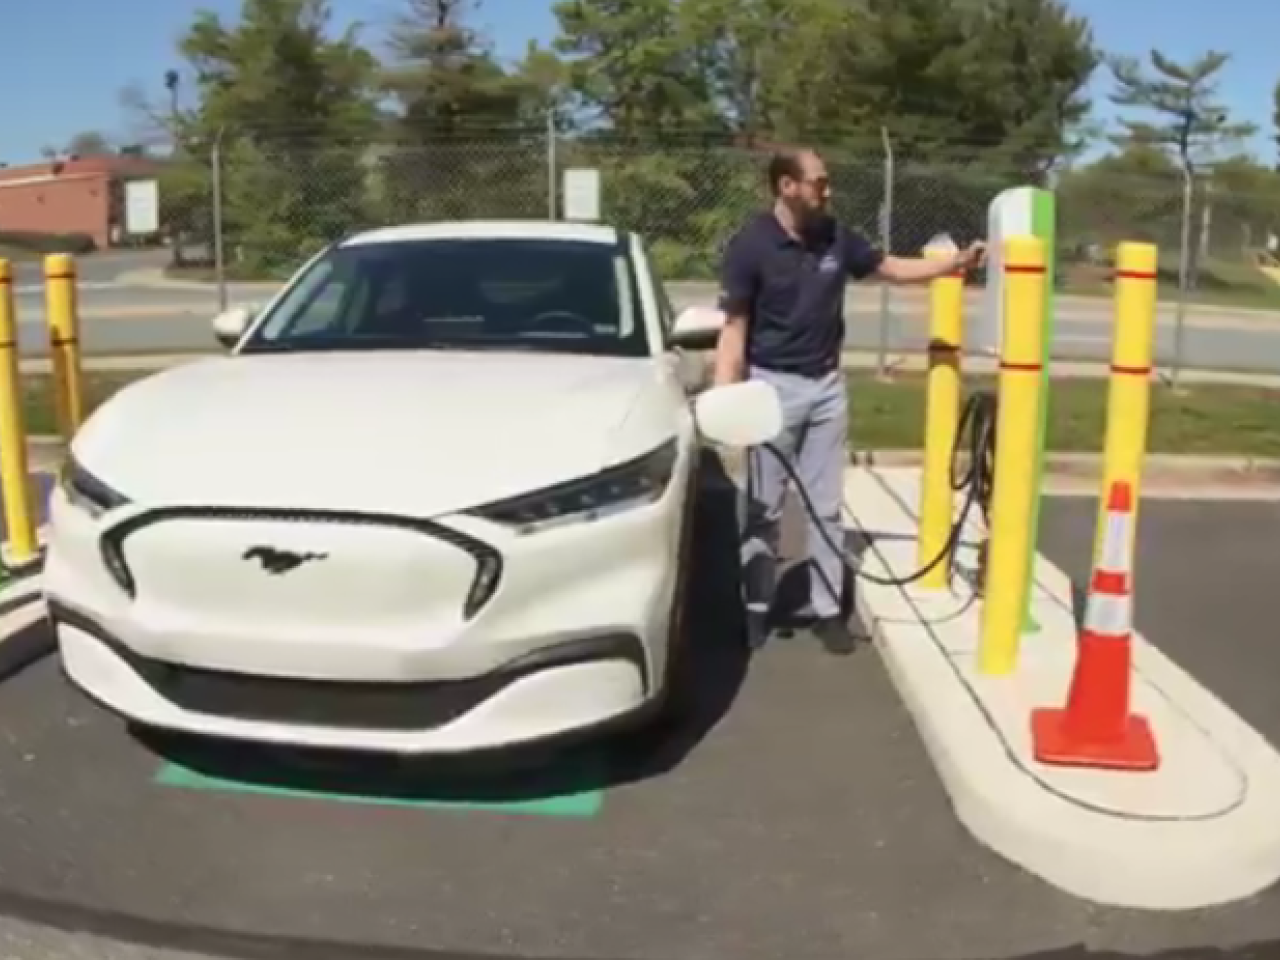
x=794 y=815
x=125 y=317
x=97 y=271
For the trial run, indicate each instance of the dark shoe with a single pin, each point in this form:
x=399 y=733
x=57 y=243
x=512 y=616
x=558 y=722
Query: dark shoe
x=758 y=628
x=835 y=636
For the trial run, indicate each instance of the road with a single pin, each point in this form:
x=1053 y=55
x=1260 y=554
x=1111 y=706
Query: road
x=99 y=271
x=140 y=319
x=797 y=816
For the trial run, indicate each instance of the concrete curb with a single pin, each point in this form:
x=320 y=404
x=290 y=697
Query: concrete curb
x=1200 y=831
x=1158 y=468
x=25 y=636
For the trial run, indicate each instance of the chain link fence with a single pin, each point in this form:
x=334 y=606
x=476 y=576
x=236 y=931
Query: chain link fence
x=251 y=207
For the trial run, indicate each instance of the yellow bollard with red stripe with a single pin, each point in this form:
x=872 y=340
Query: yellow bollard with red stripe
x=1129 y=393
x=62 y=315
x=15 y=479
x=941 y=421
x=1013 y=493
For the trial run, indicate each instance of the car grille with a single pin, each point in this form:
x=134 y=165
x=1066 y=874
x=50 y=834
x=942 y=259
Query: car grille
x=364 y=705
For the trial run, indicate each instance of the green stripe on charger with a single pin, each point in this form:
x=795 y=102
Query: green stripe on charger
x=573 y=804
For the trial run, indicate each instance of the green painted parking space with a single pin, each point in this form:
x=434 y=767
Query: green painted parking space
x=568 y=789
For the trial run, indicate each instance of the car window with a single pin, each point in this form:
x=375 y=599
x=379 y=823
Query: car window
x=530 y=294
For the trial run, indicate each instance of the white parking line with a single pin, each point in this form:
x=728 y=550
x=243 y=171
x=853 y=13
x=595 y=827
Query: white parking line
x=37 y=289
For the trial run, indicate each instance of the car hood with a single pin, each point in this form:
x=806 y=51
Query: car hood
x=419 y=433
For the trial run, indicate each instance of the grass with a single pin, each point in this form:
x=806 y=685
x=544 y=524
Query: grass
x=1207 y=419
x=1220 y=283
x=39 y=410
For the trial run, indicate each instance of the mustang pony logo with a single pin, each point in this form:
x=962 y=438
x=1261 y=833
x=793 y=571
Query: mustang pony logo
x=280 y=561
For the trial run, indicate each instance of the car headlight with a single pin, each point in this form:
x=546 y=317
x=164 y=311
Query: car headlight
x=624 y=487
x=86 y=491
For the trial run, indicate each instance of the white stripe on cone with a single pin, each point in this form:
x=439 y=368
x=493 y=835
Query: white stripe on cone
x=1108 y=614
x=1115 y=543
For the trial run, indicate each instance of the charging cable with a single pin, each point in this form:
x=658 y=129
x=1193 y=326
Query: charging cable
x=976 y=440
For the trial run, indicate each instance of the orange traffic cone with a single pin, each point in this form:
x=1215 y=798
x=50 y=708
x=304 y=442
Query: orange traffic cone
x=1096 y=728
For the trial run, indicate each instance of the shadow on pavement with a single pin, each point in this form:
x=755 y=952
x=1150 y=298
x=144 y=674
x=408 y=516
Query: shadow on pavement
x=714 y=670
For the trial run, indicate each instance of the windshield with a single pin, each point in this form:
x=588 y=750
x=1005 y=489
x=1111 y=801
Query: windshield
x=473 y=294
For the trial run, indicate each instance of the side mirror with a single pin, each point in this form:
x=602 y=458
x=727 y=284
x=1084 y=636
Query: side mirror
x=697 y=328
x=740 y=415
x=230 y=325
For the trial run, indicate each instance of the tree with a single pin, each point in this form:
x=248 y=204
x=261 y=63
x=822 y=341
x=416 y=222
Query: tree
x=1133 y=193
x=464 y=127
x=632 y=68
x=444 y=77
x=89 y=143
x=756 y=86
x=290 y=109
x=1190 y=121
x=1031 y=104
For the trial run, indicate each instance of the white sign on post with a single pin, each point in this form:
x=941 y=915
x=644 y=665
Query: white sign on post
x=582 y=194
x=142 y=207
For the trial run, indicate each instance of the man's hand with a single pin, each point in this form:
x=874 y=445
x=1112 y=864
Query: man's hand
x=972 y=257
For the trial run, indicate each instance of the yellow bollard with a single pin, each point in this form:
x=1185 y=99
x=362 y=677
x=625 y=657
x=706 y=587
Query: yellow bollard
x=1129 y=394
x=15 y=480
x=64 y=340
x=941 y=420
x=1017 y=429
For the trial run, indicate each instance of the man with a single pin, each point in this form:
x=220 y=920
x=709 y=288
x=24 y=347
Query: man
x=782 y=291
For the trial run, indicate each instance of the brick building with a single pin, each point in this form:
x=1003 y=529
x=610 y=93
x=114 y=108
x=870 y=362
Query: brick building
x=71 y=195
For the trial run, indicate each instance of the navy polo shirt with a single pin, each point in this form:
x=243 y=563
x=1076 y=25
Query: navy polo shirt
x=792 y=291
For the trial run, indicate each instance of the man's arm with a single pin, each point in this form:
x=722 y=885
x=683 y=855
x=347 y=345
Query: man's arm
x=862 y=260
x=925 y=269
x=737 y=293
x=731 y=351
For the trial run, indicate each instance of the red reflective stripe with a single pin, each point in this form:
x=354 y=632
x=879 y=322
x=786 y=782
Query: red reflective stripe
x=1131 y=371
x=1021 y=367
x=1023 y=268
x=1136 y=275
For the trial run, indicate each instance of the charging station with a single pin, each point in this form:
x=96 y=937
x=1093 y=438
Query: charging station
x=1020 y=211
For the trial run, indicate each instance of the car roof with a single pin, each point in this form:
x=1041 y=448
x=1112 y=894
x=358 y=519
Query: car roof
x=489 y=230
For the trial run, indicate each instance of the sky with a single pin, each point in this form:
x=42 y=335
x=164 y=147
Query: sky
x=70 y=68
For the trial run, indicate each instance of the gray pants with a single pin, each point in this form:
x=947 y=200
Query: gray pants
x=813 y=438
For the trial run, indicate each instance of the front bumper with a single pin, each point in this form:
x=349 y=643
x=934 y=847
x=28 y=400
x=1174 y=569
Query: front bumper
x=379 y=653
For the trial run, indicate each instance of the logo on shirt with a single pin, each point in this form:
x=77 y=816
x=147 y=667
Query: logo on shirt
x=828 y=264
